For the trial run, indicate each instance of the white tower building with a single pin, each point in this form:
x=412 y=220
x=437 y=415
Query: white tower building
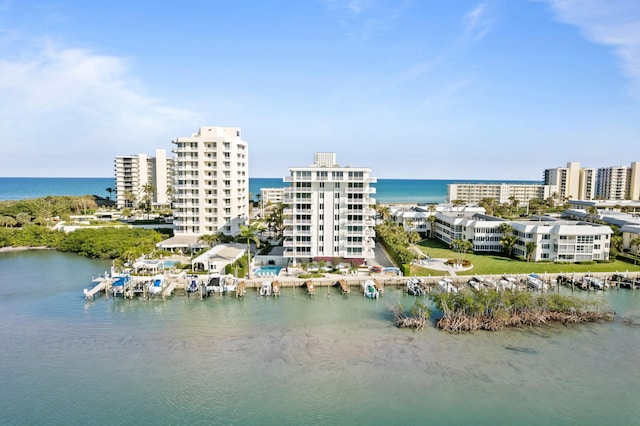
x=330 y=211
x=211 y=183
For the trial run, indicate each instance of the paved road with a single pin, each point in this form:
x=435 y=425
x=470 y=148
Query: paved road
x=381 y=257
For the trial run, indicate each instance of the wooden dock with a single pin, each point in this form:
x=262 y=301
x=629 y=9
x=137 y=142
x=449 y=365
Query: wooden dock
x=168 y=291
x=379 y=286
x=311 y=290
x=343 y=286
x=275 y=288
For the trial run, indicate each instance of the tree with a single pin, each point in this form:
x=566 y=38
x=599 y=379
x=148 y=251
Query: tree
x=110 y=191
x=458 y=203
x=23 y=219
x=460 y=247
x=432 y=221
x=617 y=243
x=275 y=219
x=592 y=212
x=413 y=237
x=210 y=239
x=8 y=221
x=129 y=198
x=383 y=211
x=515 y=203
x=250 y=233
x=148 y=191
x=505 y=228
x=508 y=241
x=489 y=205
x=531 y=248
x=635 y=243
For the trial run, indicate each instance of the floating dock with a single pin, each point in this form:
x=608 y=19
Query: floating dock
x=379 y=286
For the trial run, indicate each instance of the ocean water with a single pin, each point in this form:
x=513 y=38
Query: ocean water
x=387 y=190
x=12 y=188
x=294 y=360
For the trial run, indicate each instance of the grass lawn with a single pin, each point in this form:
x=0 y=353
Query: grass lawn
x=491 y=264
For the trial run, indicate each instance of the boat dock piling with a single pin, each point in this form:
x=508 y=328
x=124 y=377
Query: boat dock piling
x=242 y=289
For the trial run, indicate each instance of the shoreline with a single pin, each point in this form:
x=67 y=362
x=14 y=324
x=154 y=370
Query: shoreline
x=23 y=248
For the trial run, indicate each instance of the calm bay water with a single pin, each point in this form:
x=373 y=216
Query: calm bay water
x=296 y=360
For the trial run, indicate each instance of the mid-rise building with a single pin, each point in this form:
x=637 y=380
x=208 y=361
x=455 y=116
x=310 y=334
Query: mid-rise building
x=211 y=182
x=565 y=181
x=500 y=192
x=140 y=176
x=329 y=211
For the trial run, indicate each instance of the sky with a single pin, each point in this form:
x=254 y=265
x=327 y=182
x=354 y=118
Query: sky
x=416 y=89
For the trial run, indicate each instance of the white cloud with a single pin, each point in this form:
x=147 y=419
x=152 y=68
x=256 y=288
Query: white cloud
x=477 y=22
x=60 y=104
x=614 y=23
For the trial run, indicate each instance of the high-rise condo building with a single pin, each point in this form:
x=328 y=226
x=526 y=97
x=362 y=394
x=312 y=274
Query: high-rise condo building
x=329 y=211
x=139 y=177
x=211 y=183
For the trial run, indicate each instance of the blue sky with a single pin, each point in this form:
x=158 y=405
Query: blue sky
x=425 y=89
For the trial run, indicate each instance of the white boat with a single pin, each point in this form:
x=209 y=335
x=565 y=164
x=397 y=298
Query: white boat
x=475 y=284
x=193 y=285
x=157 y=284
x=369 y=289
x=596 y=283
x=118 y=281
x=215 y=284
x=447 y=286
x=265 y=288
x=535 y=283
x=414 y=287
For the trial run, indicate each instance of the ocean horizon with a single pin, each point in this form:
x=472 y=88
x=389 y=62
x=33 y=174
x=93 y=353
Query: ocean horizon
x=428 y=191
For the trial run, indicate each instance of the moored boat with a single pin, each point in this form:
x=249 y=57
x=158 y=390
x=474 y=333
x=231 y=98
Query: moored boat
x=369 y=289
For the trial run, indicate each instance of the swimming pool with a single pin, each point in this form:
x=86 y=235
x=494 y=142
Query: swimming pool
x=267 y=271
x=170 y=263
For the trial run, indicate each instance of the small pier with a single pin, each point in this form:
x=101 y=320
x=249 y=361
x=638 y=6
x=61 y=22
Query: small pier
x=168 y=291
x=379 y=286
x=275 y=288
x=344 y=287
x=102 y=285
x=311 y=289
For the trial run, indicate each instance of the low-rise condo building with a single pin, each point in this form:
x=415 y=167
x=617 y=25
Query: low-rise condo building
x=329 y=211
x=551 y=239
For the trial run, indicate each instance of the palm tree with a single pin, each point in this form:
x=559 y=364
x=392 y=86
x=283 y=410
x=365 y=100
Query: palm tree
x=635 y=243
x=460 y=247
x=383 y=211
x=148 y=190
x=489 y=205
x=210 y=239
x=458 y=203
x=592 y=212
x=110 y=191
x=505 y=228
x=508 y=241
x=250 y=233
x=531 y=247
x=514 y=204
x=129 y=198
x=432 y=220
